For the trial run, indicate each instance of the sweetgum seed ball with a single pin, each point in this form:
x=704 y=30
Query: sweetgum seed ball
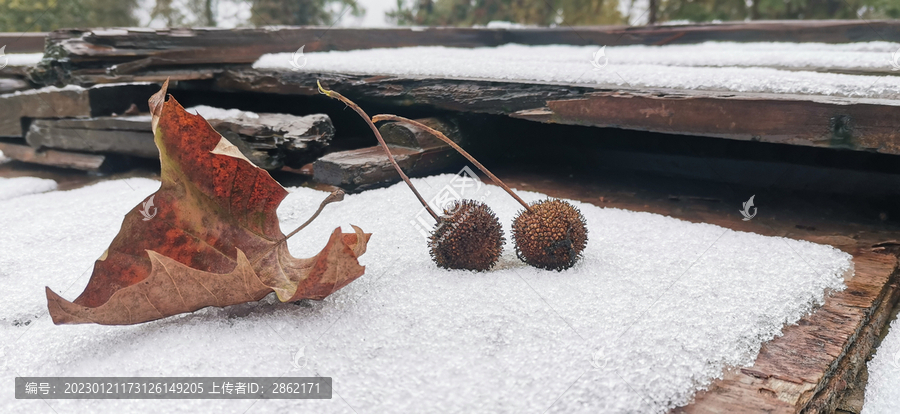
x=468 y=236
x=551 y=235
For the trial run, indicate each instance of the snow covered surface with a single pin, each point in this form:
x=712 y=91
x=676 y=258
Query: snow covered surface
x=719 y=66
x=210 y=112
x=883 y=388
x=19 y=186
x=657 y=308
x=43 y=90
x=24 y=59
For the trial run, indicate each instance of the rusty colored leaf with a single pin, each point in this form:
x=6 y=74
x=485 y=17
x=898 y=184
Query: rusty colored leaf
x=212 y=237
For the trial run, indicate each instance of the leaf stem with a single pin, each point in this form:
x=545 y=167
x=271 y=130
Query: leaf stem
x=442 y=137
x=355 y=107
x=337 y=195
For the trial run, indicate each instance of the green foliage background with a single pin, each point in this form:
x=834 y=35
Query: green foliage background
x=45 y=15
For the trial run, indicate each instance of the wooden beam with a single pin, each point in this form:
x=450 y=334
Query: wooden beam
x=124 y=52
x=821 y=121
x=128 y=135
x=269 y=140
x=55 y=158
x=19 y=108
x=856 y=124
x=416 y=151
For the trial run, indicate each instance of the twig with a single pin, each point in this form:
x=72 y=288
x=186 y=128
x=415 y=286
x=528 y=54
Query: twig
x=442 y=137
x=337 y=195
x=355 y=107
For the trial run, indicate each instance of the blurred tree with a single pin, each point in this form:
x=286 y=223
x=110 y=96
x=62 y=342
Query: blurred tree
x=536 y=12
x=706 y=10
x=45 y=15
x=300 y=12
x=184 y=13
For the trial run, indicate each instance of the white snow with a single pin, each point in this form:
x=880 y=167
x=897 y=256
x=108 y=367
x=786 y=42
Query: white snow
x=737 y=67
x=19 y=186
x=23 y=59
x=210 y=112
x=883 y=388
x=657 y=308
x=46 y=89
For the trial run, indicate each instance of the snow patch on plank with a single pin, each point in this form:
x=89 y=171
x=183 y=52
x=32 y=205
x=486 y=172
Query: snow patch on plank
x=713 y=66
x=210 y=112
x=655 y=311
x=46 y=89
x=21 y=186
x=883 y=388
x=24 y=59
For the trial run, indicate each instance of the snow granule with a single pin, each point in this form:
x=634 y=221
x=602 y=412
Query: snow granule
x=210 y=112
x=715 y=66
x=19 y=186
x=45 y=89
x=883 y=388
x=655 y=311
x=24 y=59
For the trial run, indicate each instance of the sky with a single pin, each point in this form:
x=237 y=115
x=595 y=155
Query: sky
x=233 y=13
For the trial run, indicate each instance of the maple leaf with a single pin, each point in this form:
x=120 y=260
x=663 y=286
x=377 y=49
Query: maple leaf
x=212 y=239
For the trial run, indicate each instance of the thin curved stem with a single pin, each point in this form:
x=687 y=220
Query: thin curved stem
x=355 y=107
x=442 y=137
x=337 y=195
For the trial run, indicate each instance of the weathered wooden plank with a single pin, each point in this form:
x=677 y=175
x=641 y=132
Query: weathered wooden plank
x=462 y=95
x=55 y=158
x=131 y=136
x=8 y=85
x=864 y=125
x=269 y=140
x=70 y=102
x=181 y=45
x=296 y=140
x=832 y=122
x=364 y=168
x=416 y=151
x=40 y=104
x=410 y=136
x=89 y=54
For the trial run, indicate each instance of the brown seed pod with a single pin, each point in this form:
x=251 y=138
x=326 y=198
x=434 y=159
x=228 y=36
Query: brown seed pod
x=467 y=236
x=550 y=235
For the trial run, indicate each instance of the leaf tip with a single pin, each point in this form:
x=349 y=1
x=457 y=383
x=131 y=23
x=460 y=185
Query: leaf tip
x=323 y=90
x=156 y=104
x=53 y=306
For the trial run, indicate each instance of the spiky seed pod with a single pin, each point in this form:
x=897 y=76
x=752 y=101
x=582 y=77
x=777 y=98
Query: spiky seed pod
x=551 y=235
x=467 y=236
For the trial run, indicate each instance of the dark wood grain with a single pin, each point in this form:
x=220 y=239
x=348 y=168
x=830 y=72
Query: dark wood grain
x=821 y=121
